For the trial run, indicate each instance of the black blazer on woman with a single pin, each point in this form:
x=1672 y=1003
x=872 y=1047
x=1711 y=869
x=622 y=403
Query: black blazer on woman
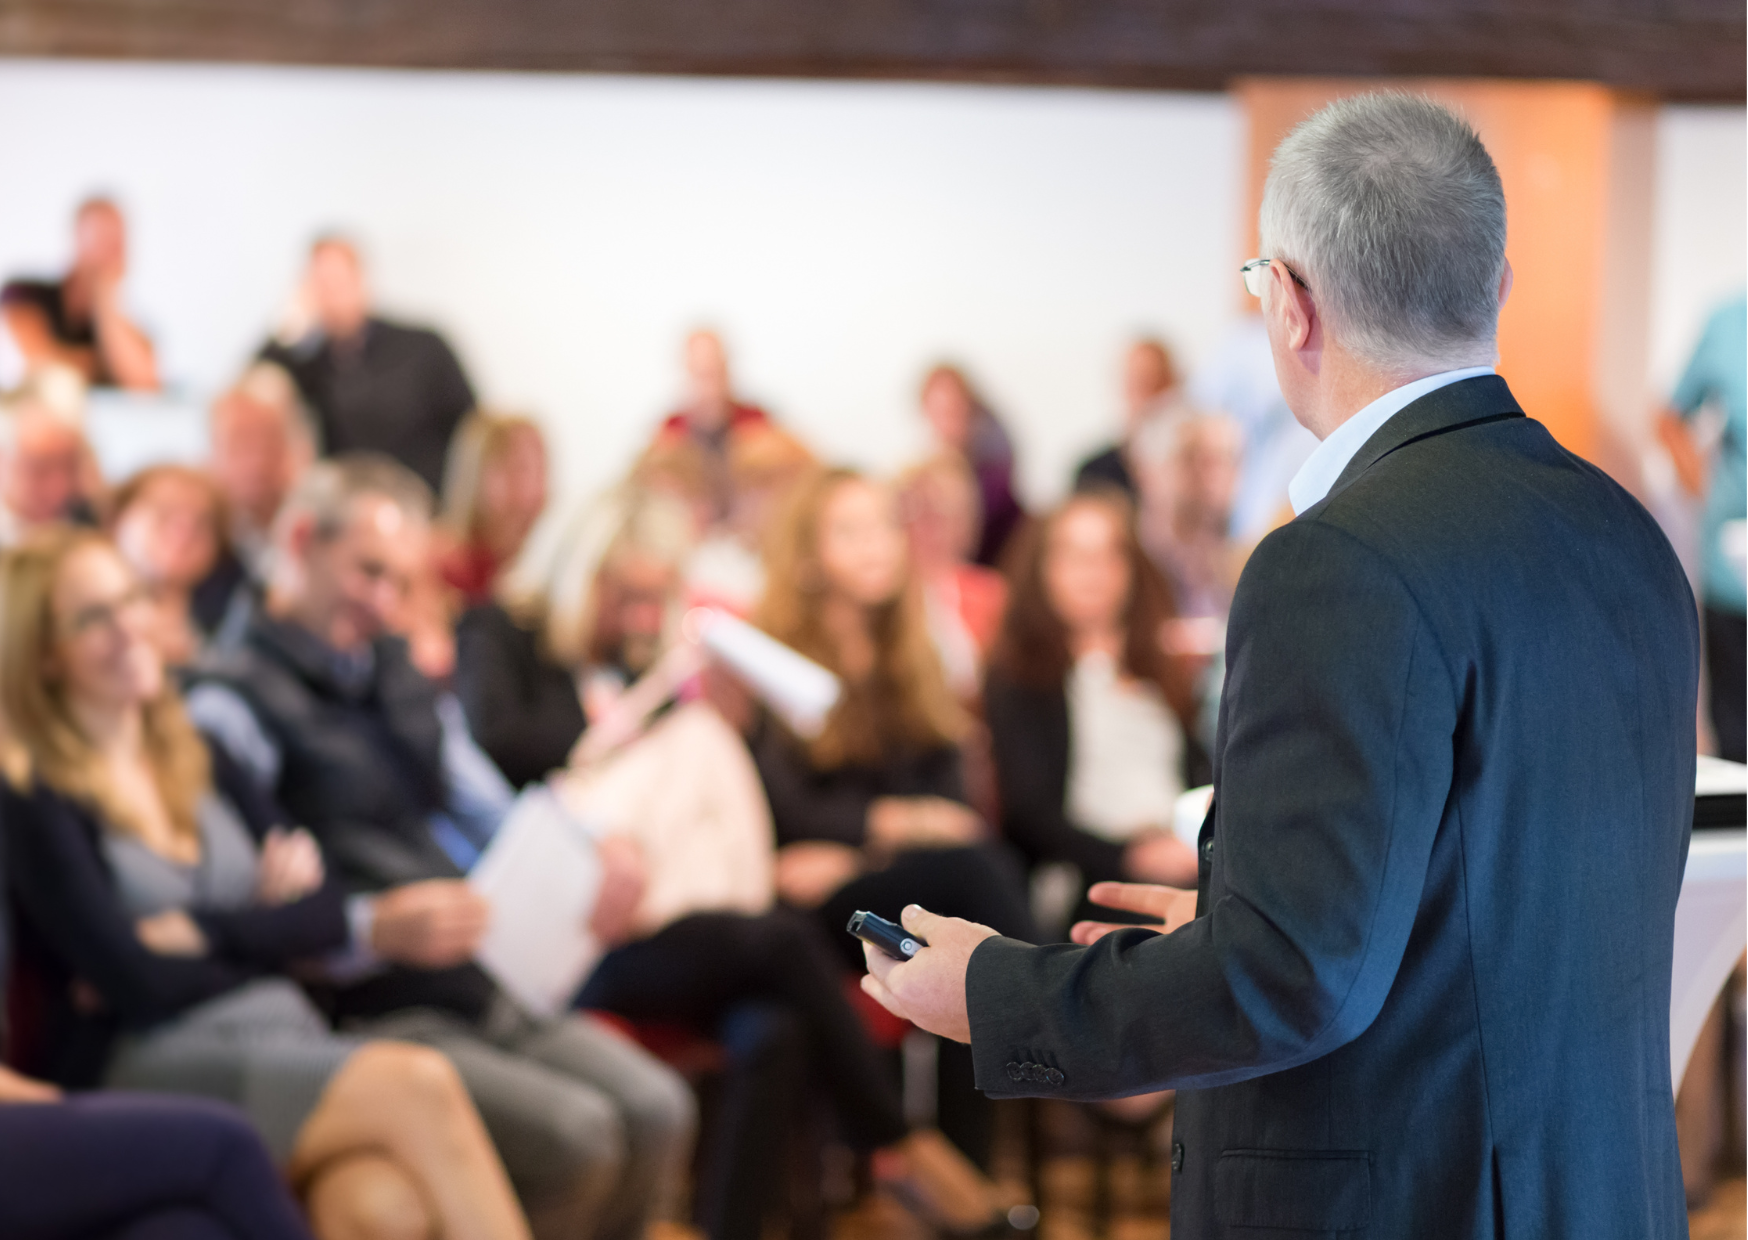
x=73 y=929
x=521 y=707
x=1427 y=993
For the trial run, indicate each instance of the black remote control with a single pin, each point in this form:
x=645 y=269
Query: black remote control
x=894 y=940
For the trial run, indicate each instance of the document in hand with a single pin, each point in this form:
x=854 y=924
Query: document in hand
x=790 y=683
x=541 y=873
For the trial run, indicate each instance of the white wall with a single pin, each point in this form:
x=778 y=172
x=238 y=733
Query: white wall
x=566 y=231
x=1700 y=241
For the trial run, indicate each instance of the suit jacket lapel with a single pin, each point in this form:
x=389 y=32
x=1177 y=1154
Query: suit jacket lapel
x=1484 y=398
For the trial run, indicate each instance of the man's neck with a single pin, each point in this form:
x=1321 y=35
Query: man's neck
x=1349 y=385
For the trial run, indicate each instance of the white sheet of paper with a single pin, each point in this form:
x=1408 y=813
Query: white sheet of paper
x=541 y=873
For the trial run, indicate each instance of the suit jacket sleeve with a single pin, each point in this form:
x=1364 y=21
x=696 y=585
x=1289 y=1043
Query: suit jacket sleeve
x=1337 y=730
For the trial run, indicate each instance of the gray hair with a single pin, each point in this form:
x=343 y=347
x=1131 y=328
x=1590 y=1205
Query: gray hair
x=329 y=489
x=1390 y=209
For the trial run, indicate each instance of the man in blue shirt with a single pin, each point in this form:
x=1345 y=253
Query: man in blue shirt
x=1717 y=375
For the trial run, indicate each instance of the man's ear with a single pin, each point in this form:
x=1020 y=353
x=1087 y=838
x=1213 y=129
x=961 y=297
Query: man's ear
x=300 y=536
x=1293 y=303
x=1505 y=280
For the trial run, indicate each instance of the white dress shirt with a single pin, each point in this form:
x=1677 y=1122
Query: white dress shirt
x=1324 y=466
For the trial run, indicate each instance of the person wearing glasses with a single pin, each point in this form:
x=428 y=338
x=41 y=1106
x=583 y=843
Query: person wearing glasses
x=1422 y=988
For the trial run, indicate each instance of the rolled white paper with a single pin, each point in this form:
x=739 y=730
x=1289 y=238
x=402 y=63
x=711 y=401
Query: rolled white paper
x=799 y=690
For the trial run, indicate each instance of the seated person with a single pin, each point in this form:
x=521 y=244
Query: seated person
x=684 y=805
x=494 y=490
x=1088 y=715
x=871 y=813
x=168 y=523
x=710 y=418
x=963 y=601
x=320 y=703
x=46 y=470
x=964 y=426
x=1150 y=387
x=163 y=905
x=374 y=385
x=261 y=444
x=80 y=321
x=136 y=1167
x=1186 y=466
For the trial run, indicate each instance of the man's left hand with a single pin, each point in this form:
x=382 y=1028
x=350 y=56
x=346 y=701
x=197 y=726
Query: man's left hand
x=928 y=990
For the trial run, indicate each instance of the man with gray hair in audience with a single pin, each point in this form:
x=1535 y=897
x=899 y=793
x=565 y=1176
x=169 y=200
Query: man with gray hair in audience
x=321 y=703
x=1423 y=987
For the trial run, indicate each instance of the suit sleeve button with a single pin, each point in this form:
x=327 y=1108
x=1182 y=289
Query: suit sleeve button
x=1016 y=1073
x=1177 y=1155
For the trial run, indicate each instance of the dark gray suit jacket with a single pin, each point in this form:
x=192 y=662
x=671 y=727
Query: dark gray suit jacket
x=1427 y=994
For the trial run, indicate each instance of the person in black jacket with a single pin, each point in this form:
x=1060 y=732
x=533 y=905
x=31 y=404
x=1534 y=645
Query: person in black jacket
x=1089 y=717
x=1150 y=384
x=374 y=385
x=1424 y=988
x=163 y=904
x=871 y=813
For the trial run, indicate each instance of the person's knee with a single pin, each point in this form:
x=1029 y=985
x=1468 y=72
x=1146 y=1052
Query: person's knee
x=367 y=1197
x=409 y=1080
x=573 y=1144
x=659 y=1108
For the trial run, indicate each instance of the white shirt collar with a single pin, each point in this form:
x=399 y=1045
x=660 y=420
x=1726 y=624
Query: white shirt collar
x=1325 y=464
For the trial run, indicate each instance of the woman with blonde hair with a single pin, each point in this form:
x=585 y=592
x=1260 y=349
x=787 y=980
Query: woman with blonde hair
x=871 y=813
x=494 y=490
x=164 y=903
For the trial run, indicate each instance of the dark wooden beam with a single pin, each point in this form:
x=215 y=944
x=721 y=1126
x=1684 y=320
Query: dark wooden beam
x=1675 y=49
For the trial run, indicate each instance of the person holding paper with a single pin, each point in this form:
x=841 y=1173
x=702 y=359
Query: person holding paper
x=871 y=813
x=703 y=945
x=325 y=709
x=1425 y=987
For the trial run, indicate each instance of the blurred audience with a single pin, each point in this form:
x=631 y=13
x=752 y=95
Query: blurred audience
x=373 y=384
x=1717 y=378
x=168 y=523
x=262 y=442
x=321 y=704
x=871 y=813
x=1186 y=465
x=963 y=601
x=46 y=469
x=1150 y=384
x=1089 y=716
x=962 y=423
x=81 y=320
x=705 y=947
x=581 y=618
x=710 y=418
x=494 y=490
x=164 y=904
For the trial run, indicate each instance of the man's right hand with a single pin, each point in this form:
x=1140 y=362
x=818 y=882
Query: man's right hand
x=1170 y=905
x=429 y=925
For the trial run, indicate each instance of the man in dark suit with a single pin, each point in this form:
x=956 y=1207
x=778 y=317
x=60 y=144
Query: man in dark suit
x=374 y=385
x=1425 y=990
